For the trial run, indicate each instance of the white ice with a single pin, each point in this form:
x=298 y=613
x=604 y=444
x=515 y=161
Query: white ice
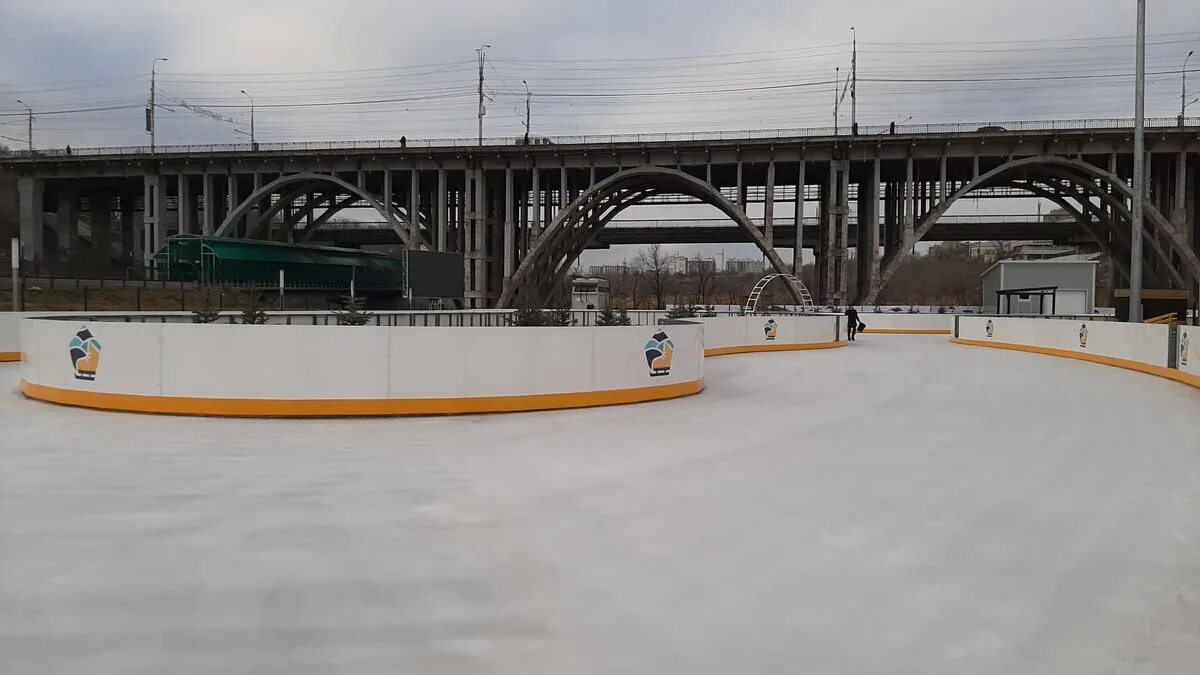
x=899 y=506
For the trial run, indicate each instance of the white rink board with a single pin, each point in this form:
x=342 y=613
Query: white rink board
x=1144 y=343
x=745 y=331
x=353 y=363
x=917 y=322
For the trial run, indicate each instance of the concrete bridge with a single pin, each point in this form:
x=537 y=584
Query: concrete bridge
x=521 y=214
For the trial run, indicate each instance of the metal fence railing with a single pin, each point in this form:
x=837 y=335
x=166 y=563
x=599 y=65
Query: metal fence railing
x=593 y=139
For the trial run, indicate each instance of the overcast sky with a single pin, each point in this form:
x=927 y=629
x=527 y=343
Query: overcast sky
x=378 y=70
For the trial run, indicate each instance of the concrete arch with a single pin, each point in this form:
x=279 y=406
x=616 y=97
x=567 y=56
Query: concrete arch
x=300 y=183
x=578 y=224
x=1089 y=178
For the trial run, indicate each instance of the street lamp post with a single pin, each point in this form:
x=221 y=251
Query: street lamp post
x=482 y=110
x=253 y=145
x=1183 y=87
x=30 y=129
x=150 y=110
x=1139 y=170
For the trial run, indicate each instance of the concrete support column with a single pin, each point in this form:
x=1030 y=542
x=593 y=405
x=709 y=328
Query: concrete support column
x=1177 y=213
x=769 y=207
x=481 y=239
x=231 y=193
x=441 y=210
x=29 y=195
x=208 y=218
x=942 y=194
x=68 y=217
x=509 y=235
x=414 y=208
x=741 y=189
x=184 y=199
x=129 y=249
x=387 y=197
x=868 y=235
x=101 y=227
x=468 y=234
x=798 y=250
x=975 y=167
x=834 y=267
x=536 y=207
x=563 y=189
x=909 y=205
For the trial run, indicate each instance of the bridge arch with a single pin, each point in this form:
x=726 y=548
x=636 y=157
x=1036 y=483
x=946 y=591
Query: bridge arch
x=549 y=260
x=1052 y=172
x=292 y=186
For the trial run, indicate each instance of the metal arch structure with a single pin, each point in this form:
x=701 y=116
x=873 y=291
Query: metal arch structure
x=331 y=188
x=561 y=243
x=806 y=303
x=1085 y=181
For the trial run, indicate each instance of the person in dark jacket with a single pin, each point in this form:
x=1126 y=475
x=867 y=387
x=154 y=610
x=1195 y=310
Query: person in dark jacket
x=852 y=322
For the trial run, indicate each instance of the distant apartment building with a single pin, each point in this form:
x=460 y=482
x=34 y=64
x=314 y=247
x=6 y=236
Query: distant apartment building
x=743 y=266
x=701 y=266
x=605 y=271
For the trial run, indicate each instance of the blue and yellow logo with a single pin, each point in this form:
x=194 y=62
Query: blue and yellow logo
x=989 y=328
x=1083 y=335
x=85 y=354
x=659 y=351
x=771 y=329
x=1183 y=349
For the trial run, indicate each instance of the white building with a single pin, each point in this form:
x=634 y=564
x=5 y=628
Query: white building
x=1040 y=287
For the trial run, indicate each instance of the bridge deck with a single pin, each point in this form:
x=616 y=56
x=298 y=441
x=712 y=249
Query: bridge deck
x=901 y=505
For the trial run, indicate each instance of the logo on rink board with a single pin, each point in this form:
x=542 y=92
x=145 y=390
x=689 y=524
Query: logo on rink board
x=659 y=351
x=85 y=354
x=771 y=329
x=989 y=328
x=1184 y=341
x=1083 y=335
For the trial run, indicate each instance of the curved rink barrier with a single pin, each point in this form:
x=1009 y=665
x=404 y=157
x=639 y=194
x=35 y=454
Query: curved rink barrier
x=331 y=371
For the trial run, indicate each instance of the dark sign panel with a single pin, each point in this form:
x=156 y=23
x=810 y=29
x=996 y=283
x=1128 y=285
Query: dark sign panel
x=435 y=275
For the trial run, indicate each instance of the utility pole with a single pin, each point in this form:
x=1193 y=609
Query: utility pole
x=837 y=77
x=1183 y=87
x=30 y=124
x=253 y=145
x=482 y=110
x=150 y=110
x=528 y=97
x=854 y=82
x=1139 y=171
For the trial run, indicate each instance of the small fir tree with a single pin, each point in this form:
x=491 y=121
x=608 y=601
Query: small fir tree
x=623 y=318
x=559 y=317
x=352 y=311
x=681 y=312
x=207 y=308
x=607 y=317
x=254 y=309
x=527 y=316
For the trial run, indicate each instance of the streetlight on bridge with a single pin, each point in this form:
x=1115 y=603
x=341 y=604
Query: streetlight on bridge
x=253 y=145
x=1183 y=87
x=30 y=124
x=150 y=109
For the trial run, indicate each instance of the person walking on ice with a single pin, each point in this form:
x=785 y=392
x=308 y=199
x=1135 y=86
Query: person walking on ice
x=853 y=325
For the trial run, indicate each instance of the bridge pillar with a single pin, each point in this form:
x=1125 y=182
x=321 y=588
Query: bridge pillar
x=908 y=204
x=833 y=262
x=102 y=227
x=67 y=210
x=186 y=212
x=769 y=207
x=798 y=250
x=30 y=192
x=867 y=246
x=208 y=218
x=414 y=209
x=509 y=234
x=130 y=250
x=154 y=223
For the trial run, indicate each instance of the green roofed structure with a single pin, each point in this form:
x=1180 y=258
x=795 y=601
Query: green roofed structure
x=225 y=261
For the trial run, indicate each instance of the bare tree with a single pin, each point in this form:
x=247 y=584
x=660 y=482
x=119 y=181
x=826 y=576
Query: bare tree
x=705 y=280
x=652 y=266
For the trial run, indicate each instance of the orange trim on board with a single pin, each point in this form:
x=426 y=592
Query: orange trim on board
x=746 y=349
x=5 y=357
x=908 y=331
x=228 y=407
x=1160 y=371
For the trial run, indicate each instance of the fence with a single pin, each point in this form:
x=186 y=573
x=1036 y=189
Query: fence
x=991 y=128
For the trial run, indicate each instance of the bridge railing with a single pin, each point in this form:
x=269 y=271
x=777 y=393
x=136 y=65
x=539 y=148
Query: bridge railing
x=591 y=139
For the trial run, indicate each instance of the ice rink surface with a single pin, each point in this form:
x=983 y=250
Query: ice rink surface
x=903 y=505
